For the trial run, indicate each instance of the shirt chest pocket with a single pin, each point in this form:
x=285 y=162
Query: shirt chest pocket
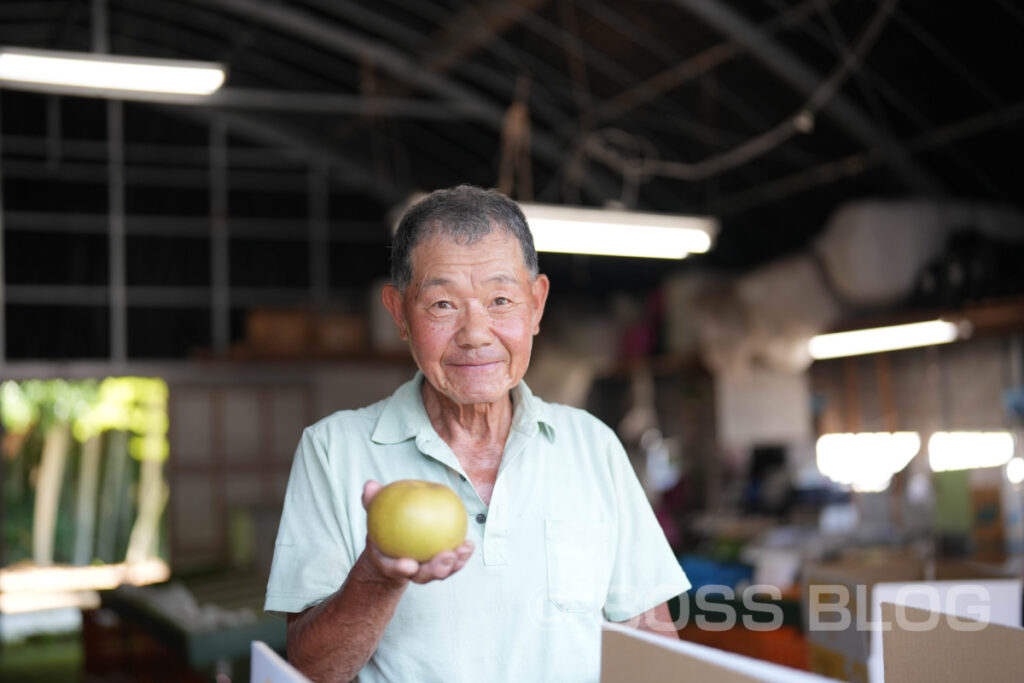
x=577 y=563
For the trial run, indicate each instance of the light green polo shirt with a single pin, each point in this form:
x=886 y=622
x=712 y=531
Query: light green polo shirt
x=568 y=540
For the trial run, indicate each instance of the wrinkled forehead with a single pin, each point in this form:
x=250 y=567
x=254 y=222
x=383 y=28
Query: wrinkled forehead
x=442 y=248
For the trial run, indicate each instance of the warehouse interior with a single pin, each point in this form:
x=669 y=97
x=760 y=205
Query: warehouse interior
x=187 y=281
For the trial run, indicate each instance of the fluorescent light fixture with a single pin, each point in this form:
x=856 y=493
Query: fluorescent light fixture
x=969 y=450
x=82 y=71
x=866 y=461
x=878 y=339
x=608 y=232
x=1015 y=471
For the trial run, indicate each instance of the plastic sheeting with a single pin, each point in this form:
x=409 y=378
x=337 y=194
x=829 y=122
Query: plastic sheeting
x=870 y=256
x=873 y=251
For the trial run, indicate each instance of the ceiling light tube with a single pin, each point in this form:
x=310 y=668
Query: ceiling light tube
x=949 y=451
x=1015 y=470
x=51 y=70
x=606 y=232
x=866 y=461
x=879 y=339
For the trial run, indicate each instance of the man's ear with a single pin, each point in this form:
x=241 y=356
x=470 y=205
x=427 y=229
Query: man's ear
x=539 y=291
x=395 y=303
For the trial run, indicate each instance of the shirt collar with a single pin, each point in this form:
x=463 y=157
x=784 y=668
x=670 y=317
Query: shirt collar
x=404 y=416
x=530 y=414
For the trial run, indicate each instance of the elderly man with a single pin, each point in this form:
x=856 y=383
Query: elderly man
x=560 y=533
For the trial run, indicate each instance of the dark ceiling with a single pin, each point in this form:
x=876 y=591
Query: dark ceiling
x=767 y=114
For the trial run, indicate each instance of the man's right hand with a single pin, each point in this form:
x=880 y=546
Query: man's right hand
x=402 y=569
x=334 y=639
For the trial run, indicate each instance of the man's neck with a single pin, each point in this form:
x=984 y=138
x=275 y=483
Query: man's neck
x=475 y=423
x=476 y=433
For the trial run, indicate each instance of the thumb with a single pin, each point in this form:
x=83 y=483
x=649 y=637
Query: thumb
x=370 y=490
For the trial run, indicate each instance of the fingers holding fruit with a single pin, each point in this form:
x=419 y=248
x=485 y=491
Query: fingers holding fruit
x=416 y=529
x=444 y=564
x=370 y=489
x=398 y=569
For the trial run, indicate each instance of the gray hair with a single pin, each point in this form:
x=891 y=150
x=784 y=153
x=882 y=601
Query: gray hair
x=464 y=213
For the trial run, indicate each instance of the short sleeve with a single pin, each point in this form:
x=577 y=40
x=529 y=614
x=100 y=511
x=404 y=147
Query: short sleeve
x=314 y=550
x=645 y=571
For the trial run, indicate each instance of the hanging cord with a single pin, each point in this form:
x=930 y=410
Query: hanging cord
x=576 y=165
x=514 y=170
x=802 y=121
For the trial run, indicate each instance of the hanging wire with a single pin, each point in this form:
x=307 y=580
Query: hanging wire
x=514 y=169
x=802 y=121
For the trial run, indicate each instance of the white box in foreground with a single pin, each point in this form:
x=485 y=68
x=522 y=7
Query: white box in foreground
x=925 y=646
x=632 y=656
x=269 y=667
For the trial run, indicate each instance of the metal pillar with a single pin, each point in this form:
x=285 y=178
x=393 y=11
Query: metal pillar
x=219 y=256
x=54 y=139
x=3 y=275
x=319 y=258
x=115 y=200
x=115 y=217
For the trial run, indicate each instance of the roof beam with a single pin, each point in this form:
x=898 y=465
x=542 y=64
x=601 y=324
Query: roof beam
x=798 y=75
x=276 y=100
x=336 y=38
x=474 y=27
x=349 y=172
x=858 y=163
x=699 y=64
x=290 y=143
x=396 y=33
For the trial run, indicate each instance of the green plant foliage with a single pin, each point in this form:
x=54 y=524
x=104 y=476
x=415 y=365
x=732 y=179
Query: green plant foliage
x=17 y=411
x=133 y=408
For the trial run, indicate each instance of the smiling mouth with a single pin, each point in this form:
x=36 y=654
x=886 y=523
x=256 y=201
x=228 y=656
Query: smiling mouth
x=471 y=366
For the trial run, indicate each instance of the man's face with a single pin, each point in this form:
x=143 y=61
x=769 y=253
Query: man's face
x=469 y=315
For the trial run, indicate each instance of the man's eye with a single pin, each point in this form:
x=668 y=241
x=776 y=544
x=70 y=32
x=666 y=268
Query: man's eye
x=442 y=304
x=502 y=300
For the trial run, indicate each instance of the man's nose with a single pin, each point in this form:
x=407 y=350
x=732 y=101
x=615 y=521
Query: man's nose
x=476 y=328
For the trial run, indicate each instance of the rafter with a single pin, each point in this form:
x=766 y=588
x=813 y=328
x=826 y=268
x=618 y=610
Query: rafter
x=699 y=64
x=336 y=38
x=276 y=100
x=473 y=27
x=855 y=164
x=798 y=75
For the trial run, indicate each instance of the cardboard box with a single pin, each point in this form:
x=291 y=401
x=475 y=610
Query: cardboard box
x=269 y=667
x=278 y=332
x=632 y=656
x=841 y=599
x=984 y=602
x=988 y=535
x=300 y=333
x=337 y=334
x=925 y=646
x=830 y=588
